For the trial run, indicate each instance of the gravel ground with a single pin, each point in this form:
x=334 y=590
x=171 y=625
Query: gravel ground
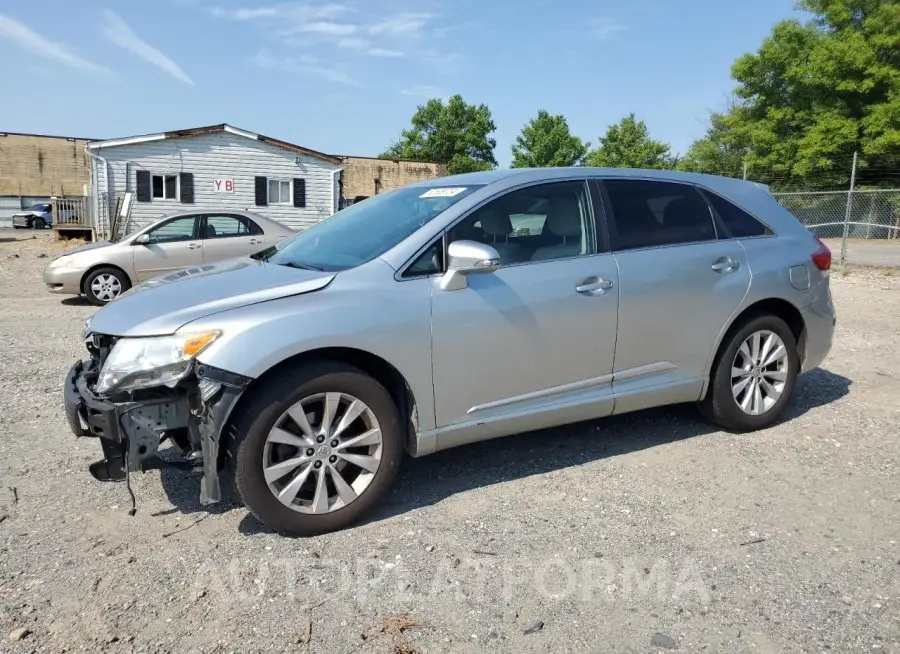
x=640 y=533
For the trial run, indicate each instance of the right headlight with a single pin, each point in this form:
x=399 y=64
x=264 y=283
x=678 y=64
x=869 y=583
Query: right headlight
x=136 y=363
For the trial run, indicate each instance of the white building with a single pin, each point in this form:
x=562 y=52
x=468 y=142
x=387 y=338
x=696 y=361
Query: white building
x=216 y=167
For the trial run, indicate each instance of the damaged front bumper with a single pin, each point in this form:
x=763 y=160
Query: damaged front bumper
x=131 y=426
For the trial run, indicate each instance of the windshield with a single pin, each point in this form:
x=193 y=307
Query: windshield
x=40 y=208
x=366 y=229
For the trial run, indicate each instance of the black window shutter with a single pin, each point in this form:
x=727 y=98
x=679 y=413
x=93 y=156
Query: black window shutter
x=143 y=185
x=299 y=192
x=262 y=191
x=187 y=187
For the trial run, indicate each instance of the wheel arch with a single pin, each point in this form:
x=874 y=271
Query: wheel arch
x=770 y=306
x=373 y=365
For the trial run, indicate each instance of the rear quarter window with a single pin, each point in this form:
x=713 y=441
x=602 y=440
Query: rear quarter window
x=736 y=222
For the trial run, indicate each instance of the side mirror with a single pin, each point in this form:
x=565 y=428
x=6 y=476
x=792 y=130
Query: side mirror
x=468 y=258
x=143 y=239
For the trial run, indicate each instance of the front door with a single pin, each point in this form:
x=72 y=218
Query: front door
x=173 y=245
x=679 y=284
x=230 y=235
x=535 y=340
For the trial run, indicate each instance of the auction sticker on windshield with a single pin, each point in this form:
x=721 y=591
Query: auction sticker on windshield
x=443 y=192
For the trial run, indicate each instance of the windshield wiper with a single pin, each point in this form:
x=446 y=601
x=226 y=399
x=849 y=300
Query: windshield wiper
x=301 y=266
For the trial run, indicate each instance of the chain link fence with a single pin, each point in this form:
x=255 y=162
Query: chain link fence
x=861 y=226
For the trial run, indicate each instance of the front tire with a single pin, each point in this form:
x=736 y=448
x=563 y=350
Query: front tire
x=316 y=448
x=754 y=376
x=38 y=223
x=104 y=285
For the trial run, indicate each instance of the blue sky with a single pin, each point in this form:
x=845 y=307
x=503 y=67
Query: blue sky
x=345 y=76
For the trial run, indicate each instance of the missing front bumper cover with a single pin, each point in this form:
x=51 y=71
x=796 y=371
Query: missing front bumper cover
x=131 y=430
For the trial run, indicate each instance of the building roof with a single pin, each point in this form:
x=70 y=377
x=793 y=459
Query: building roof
x=46 y=136
x=212 y=129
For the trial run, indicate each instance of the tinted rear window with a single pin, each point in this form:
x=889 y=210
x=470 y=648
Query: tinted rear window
x=649 y=213
x=737 y=222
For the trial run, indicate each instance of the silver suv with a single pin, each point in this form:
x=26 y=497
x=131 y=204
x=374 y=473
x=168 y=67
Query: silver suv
x=449 y=312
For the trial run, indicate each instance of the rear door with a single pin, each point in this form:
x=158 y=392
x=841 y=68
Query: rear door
x=230 y=235
x=173 y=245
x=678 y=286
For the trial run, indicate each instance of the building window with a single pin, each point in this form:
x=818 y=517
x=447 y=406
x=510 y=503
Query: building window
x=165 y=187
x=279 y=191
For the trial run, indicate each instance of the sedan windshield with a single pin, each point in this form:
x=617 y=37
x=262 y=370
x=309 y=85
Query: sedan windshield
x=366 y=229
x=40 y=208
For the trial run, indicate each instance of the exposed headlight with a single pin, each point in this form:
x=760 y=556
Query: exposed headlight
x=137 y=363
x=86 y=330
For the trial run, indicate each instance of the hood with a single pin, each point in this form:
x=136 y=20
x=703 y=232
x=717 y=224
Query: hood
x=84 y=248
x=163 y=304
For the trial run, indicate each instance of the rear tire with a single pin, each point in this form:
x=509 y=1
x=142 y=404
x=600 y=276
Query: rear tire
x=271 y=409
x=104 y=285
x=750 y=389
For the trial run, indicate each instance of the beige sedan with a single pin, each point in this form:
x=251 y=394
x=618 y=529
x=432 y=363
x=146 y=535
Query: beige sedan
x=103 y=271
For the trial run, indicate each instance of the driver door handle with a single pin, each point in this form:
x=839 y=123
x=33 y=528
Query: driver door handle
x=724 y=265
x=193 y=246
x=594 y=286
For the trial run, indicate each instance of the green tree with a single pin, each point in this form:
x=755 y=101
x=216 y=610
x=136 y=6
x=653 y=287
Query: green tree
x=817 y=91
x=721 y=151
x=547 y=142
x=628 y=145
x=455 y=134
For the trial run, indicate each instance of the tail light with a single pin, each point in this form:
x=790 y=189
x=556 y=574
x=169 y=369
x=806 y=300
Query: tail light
x=822 y=257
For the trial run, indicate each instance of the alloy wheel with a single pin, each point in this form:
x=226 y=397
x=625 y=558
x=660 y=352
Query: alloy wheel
x=322 y=453
x=759 y=372
x=106 y=287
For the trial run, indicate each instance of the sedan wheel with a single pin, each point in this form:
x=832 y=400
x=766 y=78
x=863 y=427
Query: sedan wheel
x=322 y=453
x=104 y=285
x=754 y=375
x=315 y=447
x=106 y=288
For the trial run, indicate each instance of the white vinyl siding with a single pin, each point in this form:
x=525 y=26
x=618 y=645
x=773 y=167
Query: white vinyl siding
x=219 y=156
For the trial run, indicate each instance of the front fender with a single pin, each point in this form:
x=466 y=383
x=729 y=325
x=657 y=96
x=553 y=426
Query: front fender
x=389 y=319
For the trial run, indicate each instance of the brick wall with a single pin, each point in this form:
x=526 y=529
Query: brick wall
x=42 y=166
x=360 y=174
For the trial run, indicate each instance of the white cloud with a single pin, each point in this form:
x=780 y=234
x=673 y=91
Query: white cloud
x=325 y=28
x=407 y=25
x=423 y=92
x=445 y=63
x=47 y=47
x=365 y=46
x=119 y=32
x=603 y=28
x=295 y=12
x=383 y=52
x=304 y=65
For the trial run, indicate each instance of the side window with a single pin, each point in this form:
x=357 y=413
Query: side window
x=647 y=213
x=736 y=222
x=177 y=229
x=536 y=223
x=226 y=226
x=430 y=262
